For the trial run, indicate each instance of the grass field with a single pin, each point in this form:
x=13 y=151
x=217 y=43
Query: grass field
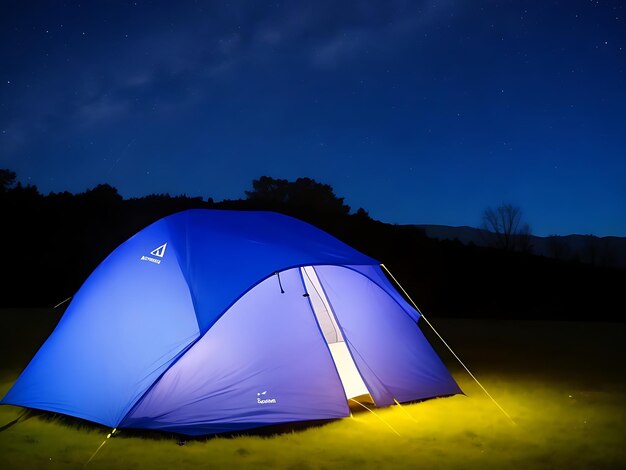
x=564 y=384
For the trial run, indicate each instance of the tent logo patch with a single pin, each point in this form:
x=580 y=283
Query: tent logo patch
x=261 y=400
x=159 y=252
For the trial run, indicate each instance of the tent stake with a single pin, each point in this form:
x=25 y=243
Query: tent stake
x=447 y=345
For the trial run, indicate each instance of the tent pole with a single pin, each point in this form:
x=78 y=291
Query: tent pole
x=447 y=345
x=61 y=303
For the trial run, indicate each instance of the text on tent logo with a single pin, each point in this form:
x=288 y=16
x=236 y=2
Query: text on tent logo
x=159 y=252
x=261 y=400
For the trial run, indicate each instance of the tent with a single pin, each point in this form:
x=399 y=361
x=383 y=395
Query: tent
x=211 y=321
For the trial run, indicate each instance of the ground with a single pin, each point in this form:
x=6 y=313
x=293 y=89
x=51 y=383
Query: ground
x=563 y=383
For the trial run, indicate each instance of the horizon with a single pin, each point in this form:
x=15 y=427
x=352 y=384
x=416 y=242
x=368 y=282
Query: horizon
x=353 y=209
x=419 y=112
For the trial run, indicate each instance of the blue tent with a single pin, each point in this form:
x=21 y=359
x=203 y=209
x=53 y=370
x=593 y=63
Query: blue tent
x=210 y=321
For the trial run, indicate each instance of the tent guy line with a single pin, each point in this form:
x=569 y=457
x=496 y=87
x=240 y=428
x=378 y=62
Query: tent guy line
x=447 y=345
x=377 y=415
x=93 y=456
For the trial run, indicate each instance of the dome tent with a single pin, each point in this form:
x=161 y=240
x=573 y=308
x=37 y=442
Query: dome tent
x=210 y=321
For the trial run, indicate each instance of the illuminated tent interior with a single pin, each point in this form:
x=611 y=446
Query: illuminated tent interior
x=214 y=321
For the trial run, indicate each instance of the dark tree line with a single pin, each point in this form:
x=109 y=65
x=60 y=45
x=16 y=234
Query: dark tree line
x=51 y=243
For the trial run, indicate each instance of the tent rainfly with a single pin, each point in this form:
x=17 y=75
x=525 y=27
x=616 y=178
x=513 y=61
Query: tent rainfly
x=213 y=321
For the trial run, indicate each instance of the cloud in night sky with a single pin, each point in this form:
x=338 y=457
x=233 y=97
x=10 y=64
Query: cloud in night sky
x=115 y=73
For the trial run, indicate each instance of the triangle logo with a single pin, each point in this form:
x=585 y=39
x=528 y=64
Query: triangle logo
x=160 y=251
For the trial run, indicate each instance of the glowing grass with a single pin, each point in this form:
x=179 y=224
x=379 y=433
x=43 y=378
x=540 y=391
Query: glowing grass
x=563 y=383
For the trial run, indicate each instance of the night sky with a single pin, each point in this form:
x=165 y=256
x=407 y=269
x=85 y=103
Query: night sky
x=418 y=111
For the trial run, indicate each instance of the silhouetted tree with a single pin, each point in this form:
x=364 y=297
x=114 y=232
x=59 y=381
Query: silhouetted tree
x=599 y=252
x=362 y=214
x=504 y=228
x=303 y=193
x=591 y=249
x=558 y=247
x=102 y=194
x=608 y=254
x=7 y=180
